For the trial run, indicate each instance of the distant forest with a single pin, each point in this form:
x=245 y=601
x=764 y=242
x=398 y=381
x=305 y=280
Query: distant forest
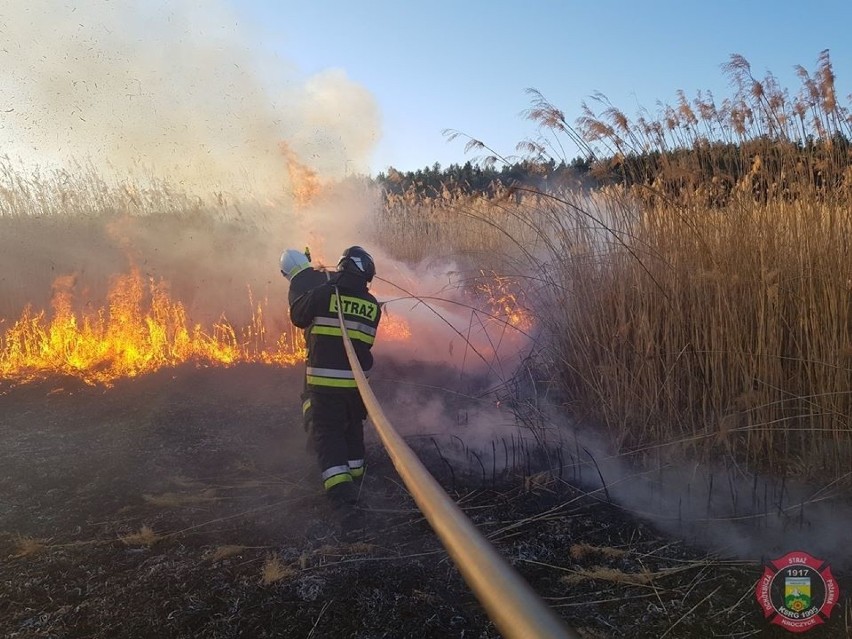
x=476 y=179
x=764 y=166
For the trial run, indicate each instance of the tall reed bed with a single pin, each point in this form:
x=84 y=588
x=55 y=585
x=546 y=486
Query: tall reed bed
x=83 y=190
x=702 y=302
x=730 y=334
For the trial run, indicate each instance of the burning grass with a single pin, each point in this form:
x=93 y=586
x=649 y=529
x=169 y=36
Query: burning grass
x=141 y=329
x=715 y=332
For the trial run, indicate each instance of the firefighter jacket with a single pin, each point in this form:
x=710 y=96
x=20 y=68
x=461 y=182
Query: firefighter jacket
x=316 y=312
x=303 y=281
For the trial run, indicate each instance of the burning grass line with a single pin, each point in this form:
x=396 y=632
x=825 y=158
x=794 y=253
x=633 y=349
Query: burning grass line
x=445 y=300
x=423 y=300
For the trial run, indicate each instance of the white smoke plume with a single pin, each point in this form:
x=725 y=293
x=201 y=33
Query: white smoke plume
x=173 y=88
x=104 y=104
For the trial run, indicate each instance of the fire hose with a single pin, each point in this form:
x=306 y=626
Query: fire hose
x=516 y=610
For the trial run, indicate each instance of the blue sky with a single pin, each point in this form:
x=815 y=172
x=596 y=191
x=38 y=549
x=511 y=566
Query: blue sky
x=465 y=65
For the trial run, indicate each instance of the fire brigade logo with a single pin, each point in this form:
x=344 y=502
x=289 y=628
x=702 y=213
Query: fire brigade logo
x=797 y=591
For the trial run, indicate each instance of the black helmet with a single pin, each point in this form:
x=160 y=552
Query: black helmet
x=357 y=261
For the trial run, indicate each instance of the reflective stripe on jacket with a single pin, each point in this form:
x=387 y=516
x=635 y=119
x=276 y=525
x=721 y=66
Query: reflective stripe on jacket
x=316 y=312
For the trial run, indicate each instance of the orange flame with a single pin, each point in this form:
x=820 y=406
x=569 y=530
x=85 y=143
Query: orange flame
x=502 y=295
x=304 y=181
x=393 y=328
x=140 y=331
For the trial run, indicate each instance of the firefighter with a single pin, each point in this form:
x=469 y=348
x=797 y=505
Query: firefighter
x=333 y=410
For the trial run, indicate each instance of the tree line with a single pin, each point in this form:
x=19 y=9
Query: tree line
x=477 y=179
x=765 y=168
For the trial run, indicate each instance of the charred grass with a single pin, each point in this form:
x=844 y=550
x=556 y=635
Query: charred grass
x=86 y=554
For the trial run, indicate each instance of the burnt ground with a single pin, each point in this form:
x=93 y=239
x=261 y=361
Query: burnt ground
x=183 y=504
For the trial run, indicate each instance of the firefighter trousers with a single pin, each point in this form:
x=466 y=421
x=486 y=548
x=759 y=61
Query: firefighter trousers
x=334 y=421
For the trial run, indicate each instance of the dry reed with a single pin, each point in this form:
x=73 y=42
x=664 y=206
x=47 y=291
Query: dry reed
x=144 y=537
x=274 y=569
x=703 y=297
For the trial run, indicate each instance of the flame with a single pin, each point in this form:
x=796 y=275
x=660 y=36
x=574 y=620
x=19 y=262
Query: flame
x=393 y=328
x=140 y=330
x=502 y=296
x=304 y=181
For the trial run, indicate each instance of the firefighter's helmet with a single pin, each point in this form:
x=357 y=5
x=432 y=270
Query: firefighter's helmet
x=357 y=261
x=293 y=262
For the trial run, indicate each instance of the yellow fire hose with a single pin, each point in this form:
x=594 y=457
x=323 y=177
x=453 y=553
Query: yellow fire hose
x=516 y=610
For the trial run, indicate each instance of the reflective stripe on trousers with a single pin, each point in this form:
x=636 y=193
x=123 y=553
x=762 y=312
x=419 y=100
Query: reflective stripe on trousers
x=356 y=467
x=335 y=475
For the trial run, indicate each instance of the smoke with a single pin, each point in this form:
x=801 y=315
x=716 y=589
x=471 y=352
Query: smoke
x=179 y=92
x=122 y=108
x=172 y=89
x=451 y=324
x=715 y=505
